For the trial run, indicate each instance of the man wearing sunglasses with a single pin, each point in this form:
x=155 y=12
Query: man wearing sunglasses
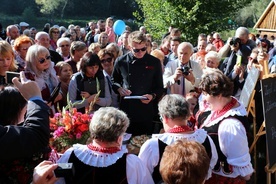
x=139 y=75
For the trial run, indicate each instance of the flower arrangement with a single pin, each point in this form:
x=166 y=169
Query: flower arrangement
x=69 y=127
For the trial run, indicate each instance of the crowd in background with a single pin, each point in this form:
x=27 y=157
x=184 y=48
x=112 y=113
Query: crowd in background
x=94 y=65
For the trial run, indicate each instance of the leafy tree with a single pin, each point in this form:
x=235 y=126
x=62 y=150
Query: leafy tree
x=250 y=14
x=50 y=6
x=192 y=17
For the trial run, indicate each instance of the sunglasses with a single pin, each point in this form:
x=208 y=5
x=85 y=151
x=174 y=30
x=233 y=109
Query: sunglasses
x=56 y=32
x=109 y=60
x=138 y=50
x=44 y=59
x=64 y=45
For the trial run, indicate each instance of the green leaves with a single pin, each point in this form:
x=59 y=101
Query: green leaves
x=191 y=16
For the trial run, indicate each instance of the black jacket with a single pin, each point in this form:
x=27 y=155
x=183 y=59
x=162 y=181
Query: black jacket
x=23 y=141
x=141 y=76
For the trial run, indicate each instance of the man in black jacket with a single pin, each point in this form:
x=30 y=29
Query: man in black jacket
x=138 y=74
x=20 y=142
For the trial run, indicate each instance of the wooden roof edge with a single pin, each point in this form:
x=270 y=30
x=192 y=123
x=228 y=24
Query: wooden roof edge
x=269 y=30
x=269 y=6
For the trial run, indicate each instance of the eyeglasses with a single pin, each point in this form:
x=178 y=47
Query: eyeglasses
x=67 y=45
x=109 y=60
x=138 y=50
x=44 y=59
x=56 y=32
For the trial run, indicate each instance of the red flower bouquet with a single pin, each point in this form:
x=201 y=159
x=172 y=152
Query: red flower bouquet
x=68 y=128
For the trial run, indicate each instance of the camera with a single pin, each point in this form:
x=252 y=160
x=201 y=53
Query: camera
x=64 y=170
x=185 y=70
x=234 y=41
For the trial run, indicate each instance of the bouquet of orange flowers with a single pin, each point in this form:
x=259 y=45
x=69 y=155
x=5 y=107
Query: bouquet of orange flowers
x=68 y=128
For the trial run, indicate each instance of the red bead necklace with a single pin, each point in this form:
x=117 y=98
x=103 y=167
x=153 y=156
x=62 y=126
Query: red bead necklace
x=226 y=108
x=103 y=150
x=179 y=129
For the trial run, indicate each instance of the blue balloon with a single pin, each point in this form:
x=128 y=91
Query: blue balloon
x=119 y=27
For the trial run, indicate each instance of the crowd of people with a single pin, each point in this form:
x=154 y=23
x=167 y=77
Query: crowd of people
x=134 y=86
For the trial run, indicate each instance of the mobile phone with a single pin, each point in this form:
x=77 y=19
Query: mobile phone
x=10 y=75
x=64 y=170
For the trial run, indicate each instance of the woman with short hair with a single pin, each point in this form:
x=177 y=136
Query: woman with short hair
x=227 y=125
x=104 y=159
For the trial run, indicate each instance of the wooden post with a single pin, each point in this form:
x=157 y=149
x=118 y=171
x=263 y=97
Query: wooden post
x=269 y=171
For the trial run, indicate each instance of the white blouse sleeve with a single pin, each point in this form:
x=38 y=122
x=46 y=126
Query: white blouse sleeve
x=149 y=154
x=234 y=145
x=137 y=173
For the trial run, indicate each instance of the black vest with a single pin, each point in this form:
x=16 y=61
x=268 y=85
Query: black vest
x=115 y=173
x=213 y=133
x=90 y=85
x=156 y=174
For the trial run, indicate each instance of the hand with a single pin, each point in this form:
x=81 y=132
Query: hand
x=178 y=73
x=237 y=69
x=190 y=77
x=124 y=92
x=44 y=173
x=85 y=94
x=92 y=97
x=149 y=98
x=27 y=88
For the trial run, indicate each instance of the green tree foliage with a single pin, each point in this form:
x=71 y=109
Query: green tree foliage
x=190 y=16
x=249 y=15
x=50 y=6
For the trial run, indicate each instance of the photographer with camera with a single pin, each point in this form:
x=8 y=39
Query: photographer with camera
x=182 y=75
x=239 y=45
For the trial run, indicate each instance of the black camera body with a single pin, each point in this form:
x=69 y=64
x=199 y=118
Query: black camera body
x=64 y=170
x=235 y=41
x=185 y=70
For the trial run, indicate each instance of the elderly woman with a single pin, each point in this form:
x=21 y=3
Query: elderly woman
x=63 y=47
x=174 y=112
x=90 y=84
x=104 y=159
x=21 y=46
x=184 y=162
x=212 y=59
x=227 y=125
x=7 y=61
x=40 y=68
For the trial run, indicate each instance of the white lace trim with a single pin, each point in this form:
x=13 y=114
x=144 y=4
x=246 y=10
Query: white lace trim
x=97 y=159
x=239 y=111
x=169 y=138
